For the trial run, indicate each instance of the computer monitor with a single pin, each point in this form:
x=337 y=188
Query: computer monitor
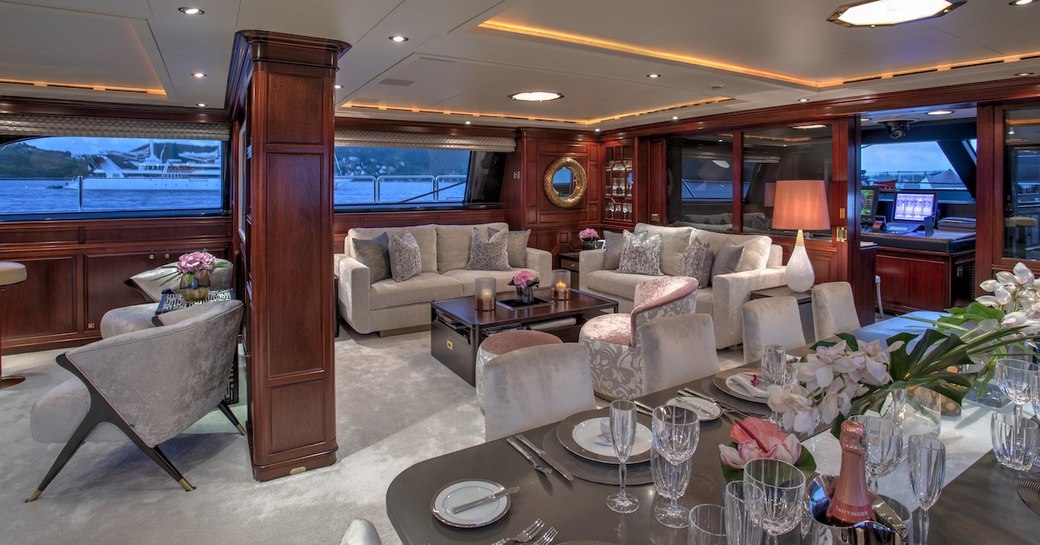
x=913 y=206
x=868 y=206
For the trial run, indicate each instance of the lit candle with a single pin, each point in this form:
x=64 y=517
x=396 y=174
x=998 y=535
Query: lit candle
x=561 y=285
x=485 y=294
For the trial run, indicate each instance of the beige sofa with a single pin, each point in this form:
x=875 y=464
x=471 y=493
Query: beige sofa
x=444 y=250
x=722 y=299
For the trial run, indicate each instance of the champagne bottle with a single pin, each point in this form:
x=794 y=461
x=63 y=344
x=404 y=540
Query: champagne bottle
x=851 y=500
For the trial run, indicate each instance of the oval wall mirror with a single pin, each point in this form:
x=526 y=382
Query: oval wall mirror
x=564 y=182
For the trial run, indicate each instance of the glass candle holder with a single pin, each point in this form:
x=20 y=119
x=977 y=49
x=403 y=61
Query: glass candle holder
x=561 y=284
x=484 y=293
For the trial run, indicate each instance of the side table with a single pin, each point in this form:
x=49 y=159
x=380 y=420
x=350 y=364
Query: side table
x=804 y=299
x=569 y=261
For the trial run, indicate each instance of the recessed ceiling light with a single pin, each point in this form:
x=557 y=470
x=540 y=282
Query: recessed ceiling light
x=536 y=96
x=809 y=126
x=597 y=129
x=201 y=105
x=803 y=100
x=873 y=13
x=1023 y=74
x=674 y=117
x=398 y=38
x=1011 y=131
x=1021 y=2
x=864 y=119
x=469 y=122
x=190 y=10
x=337 y=86
x=653 y=76
x=198 y=75
x=940 y=112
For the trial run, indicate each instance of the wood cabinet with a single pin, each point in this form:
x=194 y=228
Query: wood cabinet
x=917 y=280
x=620 y=189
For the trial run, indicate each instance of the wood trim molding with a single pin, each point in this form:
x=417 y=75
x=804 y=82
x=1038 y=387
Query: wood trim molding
x=37 y=106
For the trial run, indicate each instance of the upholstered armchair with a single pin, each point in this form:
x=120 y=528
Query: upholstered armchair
x=361 y=532
x=615 y=354
x=147 y=385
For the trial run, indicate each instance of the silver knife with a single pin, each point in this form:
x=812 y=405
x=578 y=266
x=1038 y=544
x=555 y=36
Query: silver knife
x=548 y=459
x=534 y=461
x=486 y=499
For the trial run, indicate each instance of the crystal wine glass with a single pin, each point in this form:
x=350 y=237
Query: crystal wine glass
x=676 y=432
x=1014 y=376
x=926 y=459
x=623 y=434
x=883 y=440
x=670 y=481
x=783 y=492
x=1014 y=440
x=743 y=503
x=776 y=371
x=707 y=525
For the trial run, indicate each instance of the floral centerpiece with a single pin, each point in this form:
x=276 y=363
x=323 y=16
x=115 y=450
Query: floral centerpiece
x=755 y=438
x=193 y=270
x=588 y=237
x=525 y=281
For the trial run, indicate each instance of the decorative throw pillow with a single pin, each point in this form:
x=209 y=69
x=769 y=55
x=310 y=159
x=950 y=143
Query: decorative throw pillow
x=726 y=259
x=641 y=255
x=373 y=253
x=614 y=242
x=754 y=254
x=488 y=254
x=405 y=259
x=516 y=246
x=697 y=259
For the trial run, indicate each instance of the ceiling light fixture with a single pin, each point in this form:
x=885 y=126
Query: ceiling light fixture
x=1011 y=131
x=864 y=119
x=597 y=129
x=337 y=86
x=803 y=100
x=809 y=126
x=190 y=10
x=397 y=38
x=199 y=75
x=873 y=13
x=1021 y=2
x=940 y=112
x=535 y=96
x=1023 y=74
x=201 y=105
x=469 y=122
x=653 y=76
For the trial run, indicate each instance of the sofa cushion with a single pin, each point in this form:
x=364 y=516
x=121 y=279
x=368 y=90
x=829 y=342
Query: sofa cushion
x=516 y=246
x=374 y=254
x=612 y=328
x=488 y=252
x=502 y=278
x=758 y=251
x=421 y=288
x=405 y=257
x=453 y=244
x=697 y=260
x=673 y=241
x=615 y=283
x=705 y=301
x=641 y=255
x=613 y=242
x=726 y=258
x=425 y=235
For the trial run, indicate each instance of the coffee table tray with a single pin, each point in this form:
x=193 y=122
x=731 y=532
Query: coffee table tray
x=516 y=304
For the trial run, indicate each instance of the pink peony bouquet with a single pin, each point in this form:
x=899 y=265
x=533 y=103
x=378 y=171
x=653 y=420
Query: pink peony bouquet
x=194 y=262
x=754 y=438
x=524 y=279
x=588 y=234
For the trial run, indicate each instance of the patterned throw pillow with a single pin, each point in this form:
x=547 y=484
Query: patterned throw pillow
x=641 y=255
x=373 y=253
x=405 y=259
x=613 y=243
x=696 y=262
x=488 y=254
x=516 y=246
x=726 y=259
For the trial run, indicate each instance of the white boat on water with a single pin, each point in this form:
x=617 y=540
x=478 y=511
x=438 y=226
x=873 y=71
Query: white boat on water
x=202 y=173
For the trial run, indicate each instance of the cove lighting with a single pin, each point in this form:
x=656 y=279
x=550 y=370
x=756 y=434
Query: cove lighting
x=398 y=38
x=190 y=10
x=810 y=126
x=872 y=13
x=535 y=96
x=940 y=112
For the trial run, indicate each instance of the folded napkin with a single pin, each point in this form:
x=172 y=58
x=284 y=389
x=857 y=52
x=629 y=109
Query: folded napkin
x=604 y=438
x=742 y=382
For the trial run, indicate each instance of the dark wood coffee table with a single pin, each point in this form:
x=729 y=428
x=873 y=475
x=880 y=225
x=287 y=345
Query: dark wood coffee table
x=457 y=328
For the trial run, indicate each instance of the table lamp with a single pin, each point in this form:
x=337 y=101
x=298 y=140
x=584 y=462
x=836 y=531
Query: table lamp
x=800 y=204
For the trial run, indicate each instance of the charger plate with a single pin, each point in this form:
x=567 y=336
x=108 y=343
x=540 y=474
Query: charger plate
x=576 y=432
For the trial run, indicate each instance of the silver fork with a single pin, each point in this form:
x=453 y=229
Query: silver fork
x=526 y=535
x=547 y=537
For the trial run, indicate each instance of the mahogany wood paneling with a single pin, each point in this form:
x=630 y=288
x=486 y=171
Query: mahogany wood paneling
x=44 y=305
x=82 y=108
x=913 y=281
x=308 y=402
x=989 y=190
x=862 y=282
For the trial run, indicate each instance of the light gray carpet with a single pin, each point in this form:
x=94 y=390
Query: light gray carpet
x=395 y=406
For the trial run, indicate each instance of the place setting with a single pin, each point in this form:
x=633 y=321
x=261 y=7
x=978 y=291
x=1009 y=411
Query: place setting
x=585 y=445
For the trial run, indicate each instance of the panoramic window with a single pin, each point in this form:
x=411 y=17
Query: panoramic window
x=70 y=176
x=1022 y=184
x=911 y=165
x=703 y=167
x=400 y=176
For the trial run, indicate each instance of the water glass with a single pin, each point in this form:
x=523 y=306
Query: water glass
x=670 y=481
x=623 y=434
x=1014 y=440
x=676 y=432
x=883 y=440
x=774 y=364
x=707 y=525
x=743 y=504
x=926 y=459
x=1014 y=377
x=783 y=492
x=917 y=411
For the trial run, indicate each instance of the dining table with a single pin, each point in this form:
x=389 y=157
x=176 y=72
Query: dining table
x=979 y=502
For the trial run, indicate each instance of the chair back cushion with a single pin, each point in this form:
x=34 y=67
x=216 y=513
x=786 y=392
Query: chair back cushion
x=425 y=235
x=772 y=320
x=665 y=296
x=453 y=243
x=673 y=241
x=678 y=349
x=834 y=309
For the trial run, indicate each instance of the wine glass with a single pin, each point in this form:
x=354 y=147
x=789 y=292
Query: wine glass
x=783 y=491
x=776 y=371
x=1014 y=440
x=670 y=481
x=676 y=432
x=883 y=440
x=926 y=459
x=707 y=525
x=623 y=434
x=1014 y=376
x=917 y=411
x=743 y=503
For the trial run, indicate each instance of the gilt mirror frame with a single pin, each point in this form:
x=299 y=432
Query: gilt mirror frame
x=580 y=182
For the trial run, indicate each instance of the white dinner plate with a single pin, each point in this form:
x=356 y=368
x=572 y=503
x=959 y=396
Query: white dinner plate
x=722 y=382
x=461 y=492
x=706 y=410
x=581 y=434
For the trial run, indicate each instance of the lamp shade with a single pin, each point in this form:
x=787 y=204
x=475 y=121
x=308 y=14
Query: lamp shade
x=801 y=204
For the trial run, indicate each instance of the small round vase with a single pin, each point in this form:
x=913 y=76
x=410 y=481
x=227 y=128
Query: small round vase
x=525 y=295
x=194 y=287
x=589 y=244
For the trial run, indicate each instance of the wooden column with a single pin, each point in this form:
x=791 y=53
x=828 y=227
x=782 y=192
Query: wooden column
x=281 y=87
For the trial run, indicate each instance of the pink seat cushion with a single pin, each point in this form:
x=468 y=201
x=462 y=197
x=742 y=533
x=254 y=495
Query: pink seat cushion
x=611 y=328
x=507 y=341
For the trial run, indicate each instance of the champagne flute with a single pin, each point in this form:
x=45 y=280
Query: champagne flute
x=1014 y=376
x=707 y=525
x=676 y=432
x=743 y=503
x=775 y=371
x=783 y=492
x=927 y=463
x=623 y=435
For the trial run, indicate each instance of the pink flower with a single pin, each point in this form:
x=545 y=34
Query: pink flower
x=194 y=262
x=524 y=278
x=588 y=233
x=755 y=438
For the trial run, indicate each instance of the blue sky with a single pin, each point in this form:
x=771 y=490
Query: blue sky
x=80 y=145
x=909 y=156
